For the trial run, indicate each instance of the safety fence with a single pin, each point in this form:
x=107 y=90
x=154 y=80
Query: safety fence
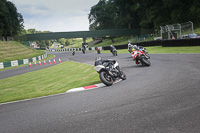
x=176 y=30
x=22 y=61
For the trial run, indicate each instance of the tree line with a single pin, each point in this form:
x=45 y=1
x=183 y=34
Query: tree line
x=114 y=14
x=31 y=31
x=11 y=22
x=151 y=14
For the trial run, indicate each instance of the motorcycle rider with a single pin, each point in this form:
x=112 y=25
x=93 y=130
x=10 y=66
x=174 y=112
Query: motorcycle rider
x=139 y=48
x=112 y=48
x=99 y=61
x=98 y=50
x=73 y=52
x=83 y=47
x=130 y=47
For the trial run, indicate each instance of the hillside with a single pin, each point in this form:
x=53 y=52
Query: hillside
x=11 y=50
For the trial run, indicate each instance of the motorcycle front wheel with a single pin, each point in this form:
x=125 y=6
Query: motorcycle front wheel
x=123 y=76
x=115 y=53
x=106 y=79
x=146 y=62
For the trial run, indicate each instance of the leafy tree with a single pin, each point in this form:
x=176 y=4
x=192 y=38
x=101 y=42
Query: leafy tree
x=102 y=16
x=67 y=42
x=126 y=15
x=62 y=41
x=3 y=14
x=107 y=14
x=31 y=31
x=11 y=21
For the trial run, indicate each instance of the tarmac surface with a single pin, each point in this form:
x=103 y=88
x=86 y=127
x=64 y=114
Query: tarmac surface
x=163 y=98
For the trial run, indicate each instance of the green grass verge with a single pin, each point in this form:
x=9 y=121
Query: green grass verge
x=160 y=49
x=48 y=81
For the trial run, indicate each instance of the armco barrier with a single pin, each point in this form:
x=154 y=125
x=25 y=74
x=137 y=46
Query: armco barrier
x=181 y=42
x=164 y=43
x=20 y=62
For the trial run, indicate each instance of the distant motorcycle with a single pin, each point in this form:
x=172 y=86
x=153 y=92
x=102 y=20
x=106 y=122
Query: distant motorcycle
x=109 y=71
x=130 y=47
x=98 y=50
x=83 y=50
x=140 y=56
x=73 y=52
x=114 y=52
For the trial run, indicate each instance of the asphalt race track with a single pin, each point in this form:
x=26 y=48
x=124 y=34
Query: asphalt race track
x=162 y=98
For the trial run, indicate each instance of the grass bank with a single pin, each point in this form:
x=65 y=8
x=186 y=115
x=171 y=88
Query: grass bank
x=12 y=50
x=48 y=81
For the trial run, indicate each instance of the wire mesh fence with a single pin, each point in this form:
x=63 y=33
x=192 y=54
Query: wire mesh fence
x=176 y=31
x=187 y=28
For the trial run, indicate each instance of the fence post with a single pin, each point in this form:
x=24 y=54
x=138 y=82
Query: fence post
x=180 y=30
x=192 y=27
x=161 y=32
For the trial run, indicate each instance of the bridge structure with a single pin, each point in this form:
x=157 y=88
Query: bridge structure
x=83 y=34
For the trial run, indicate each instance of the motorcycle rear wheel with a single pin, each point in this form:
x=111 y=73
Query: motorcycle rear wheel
x=83 y=51
x=105 y=78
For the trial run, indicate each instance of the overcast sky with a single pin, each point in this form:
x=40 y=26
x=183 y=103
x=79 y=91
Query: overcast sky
x=55 y=15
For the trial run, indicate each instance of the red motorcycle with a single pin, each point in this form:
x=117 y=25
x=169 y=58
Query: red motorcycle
x=140 y=56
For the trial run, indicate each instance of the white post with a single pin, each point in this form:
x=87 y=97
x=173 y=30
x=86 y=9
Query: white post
x=192 y=27
x=161 y=32
x=168 y=31
x=180 y=30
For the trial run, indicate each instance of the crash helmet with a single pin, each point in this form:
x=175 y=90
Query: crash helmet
x=135 y=46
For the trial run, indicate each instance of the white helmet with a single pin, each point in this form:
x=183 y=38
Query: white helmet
x=135 y=46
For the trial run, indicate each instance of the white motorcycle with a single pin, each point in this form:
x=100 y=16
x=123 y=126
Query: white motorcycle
x=109 y=71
